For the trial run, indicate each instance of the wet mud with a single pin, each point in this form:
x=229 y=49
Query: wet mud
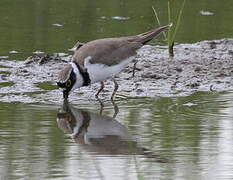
x=202 y=66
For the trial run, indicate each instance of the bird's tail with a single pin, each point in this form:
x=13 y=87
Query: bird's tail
x=147 y=36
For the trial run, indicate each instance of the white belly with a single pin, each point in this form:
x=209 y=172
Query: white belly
x=100 y=72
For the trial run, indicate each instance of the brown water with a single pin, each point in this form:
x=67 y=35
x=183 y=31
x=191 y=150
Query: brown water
x=150 y=138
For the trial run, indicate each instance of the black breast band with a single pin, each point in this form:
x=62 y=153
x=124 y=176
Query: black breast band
x=85 y=75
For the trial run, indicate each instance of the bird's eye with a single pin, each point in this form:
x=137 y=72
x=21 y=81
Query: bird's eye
x=68 y=83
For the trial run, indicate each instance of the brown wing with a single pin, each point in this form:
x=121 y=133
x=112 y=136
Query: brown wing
x=109 y=51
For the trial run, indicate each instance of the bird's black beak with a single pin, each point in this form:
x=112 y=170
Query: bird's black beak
x=65 y=94
x=65 y=91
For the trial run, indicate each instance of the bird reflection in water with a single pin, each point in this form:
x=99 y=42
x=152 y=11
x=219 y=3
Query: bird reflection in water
x=115 y=107
x=99 y=133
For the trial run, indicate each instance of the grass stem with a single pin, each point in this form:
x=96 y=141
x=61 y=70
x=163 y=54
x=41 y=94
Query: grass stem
x=170 y=41
x=157 y=18
x=178 y=20
x=171 y=34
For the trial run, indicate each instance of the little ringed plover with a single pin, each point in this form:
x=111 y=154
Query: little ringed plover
x=102 y=59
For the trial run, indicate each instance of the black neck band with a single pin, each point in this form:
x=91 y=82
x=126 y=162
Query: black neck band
x=85 y=75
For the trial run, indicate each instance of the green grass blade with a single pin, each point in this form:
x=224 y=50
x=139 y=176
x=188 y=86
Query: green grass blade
x=178 y=21
x=157 y=18
x=169 y=21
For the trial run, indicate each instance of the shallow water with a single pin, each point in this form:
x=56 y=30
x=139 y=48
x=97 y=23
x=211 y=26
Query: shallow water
x=161 y=138
x=32 y=26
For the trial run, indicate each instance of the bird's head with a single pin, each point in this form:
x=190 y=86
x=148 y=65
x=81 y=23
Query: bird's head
x=66 y=80
x=71 y=77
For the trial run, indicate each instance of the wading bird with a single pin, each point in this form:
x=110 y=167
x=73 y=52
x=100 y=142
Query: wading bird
x=102 y=59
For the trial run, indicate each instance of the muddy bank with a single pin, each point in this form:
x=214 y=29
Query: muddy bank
x=203 y=66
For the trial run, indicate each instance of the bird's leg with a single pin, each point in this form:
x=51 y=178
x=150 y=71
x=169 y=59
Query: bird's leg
x=115 y=89
x=116 y=109
x=100 y=89
x=134 y=67
x=101 y=105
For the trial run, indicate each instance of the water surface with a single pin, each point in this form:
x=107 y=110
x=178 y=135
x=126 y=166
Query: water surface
x=28 y=26
x=161 y=138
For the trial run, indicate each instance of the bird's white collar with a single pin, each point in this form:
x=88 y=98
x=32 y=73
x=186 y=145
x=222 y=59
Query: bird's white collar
x=79 y=79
